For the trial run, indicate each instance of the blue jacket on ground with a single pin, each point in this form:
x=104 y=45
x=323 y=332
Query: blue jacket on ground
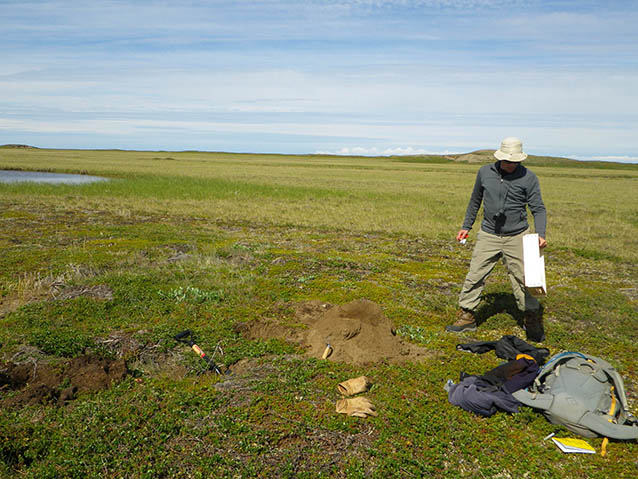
x=492 y=391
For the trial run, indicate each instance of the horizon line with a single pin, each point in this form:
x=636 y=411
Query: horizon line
x=611 y=159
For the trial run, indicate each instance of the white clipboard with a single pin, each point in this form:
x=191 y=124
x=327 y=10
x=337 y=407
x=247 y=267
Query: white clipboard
x=534 y=266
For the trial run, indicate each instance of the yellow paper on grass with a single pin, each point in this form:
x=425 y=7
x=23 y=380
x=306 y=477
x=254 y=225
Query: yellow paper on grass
x=568 y=444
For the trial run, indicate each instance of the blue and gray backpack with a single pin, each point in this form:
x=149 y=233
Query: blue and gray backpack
x=583 y=393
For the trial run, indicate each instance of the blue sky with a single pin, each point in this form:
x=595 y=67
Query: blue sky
x=334 y=76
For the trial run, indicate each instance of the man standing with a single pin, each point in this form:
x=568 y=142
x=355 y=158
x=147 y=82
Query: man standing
x=505 y=188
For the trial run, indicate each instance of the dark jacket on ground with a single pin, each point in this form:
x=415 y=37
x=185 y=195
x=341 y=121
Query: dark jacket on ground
x=504 y=197
x=513 y=375
x=492 y=391
x=476 y=395
x=508 y=347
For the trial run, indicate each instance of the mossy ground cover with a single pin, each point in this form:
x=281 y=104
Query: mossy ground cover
x=271 y=232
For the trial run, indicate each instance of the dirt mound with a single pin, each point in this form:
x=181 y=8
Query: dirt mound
x=358 y=333
x=42 y=383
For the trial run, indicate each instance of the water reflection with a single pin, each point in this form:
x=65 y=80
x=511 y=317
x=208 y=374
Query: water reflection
x=10 y=176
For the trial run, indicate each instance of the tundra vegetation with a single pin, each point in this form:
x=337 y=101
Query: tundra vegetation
x=212 y=241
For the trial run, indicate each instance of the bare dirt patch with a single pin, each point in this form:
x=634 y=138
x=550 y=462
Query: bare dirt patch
x=358 y=333
x=34 y=293
x=38 y=382
x=51 y=290
x=99 y=291
x=143 y=357
x=9 y=304
x=631 y=293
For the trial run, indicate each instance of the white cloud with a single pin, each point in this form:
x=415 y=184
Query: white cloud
x=395 y=151
x=422 y=92
x=334 y=135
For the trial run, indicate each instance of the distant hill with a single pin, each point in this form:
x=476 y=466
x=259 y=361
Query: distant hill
x=17 y=146
x=478 y=156
x=487 y=156
x=475 y=157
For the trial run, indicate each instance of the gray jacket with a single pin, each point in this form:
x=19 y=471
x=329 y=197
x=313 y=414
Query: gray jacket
x=505 y=197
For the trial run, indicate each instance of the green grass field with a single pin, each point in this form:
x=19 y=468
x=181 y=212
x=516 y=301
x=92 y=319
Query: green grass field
x=209 y=240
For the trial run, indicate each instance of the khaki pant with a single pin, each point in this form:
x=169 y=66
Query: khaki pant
x=489 y=248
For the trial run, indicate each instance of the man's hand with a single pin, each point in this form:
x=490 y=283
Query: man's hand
x=463 y=234
x=541 y=242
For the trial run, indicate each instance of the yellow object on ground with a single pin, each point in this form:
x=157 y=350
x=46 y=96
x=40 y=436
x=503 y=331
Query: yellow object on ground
x=354 y=386
x=359 y=407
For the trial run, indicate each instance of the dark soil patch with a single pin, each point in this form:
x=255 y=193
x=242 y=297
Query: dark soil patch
x=357 y=332
x=143 y=357
x=45 y=383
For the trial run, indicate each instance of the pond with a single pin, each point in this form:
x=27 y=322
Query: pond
x=10 y=176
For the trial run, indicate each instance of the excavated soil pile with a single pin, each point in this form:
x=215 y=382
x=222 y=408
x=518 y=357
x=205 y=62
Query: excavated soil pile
x=358 y=333
x=43 y=383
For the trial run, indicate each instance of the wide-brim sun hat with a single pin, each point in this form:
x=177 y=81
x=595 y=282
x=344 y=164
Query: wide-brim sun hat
x=511 y=150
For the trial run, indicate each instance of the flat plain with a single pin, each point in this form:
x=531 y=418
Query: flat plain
x=216 y=242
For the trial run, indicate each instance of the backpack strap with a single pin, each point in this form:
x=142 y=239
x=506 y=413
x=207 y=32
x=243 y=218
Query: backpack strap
x=619 y=386
x=560 y=357
x=568 y=409
x=602 y=426
x=551 y=365
x=615 y=379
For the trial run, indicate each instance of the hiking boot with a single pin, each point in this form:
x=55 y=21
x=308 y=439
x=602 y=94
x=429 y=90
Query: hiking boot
x=465 y=321
x=533 y=321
